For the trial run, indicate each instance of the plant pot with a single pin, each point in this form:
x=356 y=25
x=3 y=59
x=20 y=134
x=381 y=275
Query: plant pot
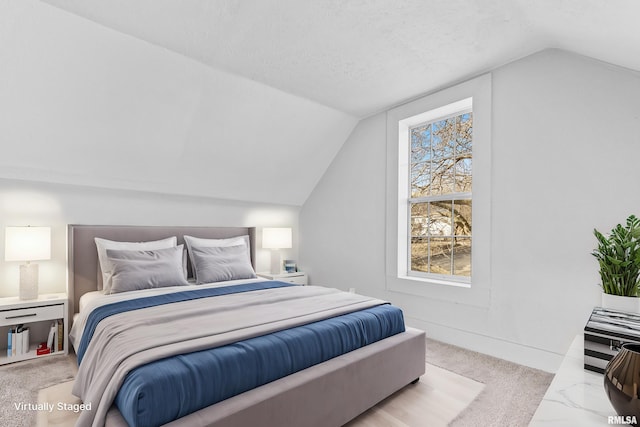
x=620 y=303
x=621 y=378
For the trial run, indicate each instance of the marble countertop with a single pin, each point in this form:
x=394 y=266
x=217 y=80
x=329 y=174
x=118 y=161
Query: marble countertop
x=576 y=396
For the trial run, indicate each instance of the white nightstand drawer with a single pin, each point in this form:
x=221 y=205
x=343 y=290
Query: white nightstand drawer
x=33 y=314
x=298 y=280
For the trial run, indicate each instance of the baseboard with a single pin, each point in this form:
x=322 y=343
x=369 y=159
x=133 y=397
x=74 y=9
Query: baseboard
x=502 y=349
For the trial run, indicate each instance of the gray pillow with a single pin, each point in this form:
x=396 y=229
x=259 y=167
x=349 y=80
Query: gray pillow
x=193 y=242
x=135 y=270
x=104 y=279
x=219 y=263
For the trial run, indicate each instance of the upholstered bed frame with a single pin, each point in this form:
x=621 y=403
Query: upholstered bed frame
x=328 y=394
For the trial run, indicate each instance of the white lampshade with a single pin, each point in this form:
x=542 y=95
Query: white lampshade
x=27 y=243
x=276 y=238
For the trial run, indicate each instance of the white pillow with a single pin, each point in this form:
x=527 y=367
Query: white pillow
x=193 y=242
x=107 y=267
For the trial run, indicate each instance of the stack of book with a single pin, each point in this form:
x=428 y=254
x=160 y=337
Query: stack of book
x=18 y=340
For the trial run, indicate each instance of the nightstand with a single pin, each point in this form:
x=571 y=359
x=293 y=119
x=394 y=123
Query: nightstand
x=38 y=315
x=299 y=278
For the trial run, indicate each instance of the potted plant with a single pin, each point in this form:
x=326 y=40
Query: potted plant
x=619 y=258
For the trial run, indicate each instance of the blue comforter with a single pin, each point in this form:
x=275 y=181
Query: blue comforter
x=170 y=388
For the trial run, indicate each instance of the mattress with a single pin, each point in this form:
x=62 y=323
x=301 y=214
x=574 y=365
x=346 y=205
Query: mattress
x=166 y=389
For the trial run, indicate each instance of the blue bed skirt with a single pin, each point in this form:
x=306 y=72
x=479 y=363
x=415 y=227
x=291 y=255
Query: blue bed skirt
x=162 y=391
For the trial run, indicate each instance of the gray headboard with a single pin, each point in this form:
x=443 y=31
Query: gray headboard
x=83 y=254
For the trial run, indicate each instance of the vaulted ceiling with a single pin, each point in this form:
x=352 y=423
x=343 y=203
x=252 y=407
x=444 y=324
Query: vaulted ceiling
x=250 y=99
x=362 y=56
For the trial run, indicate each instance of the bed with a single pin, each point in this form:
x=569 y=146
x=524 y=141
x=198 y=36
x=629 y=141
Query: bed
x=329 y=393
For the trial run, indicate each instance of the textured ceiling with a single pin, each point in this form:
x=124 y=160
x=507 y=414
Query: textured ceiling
x=362 y=56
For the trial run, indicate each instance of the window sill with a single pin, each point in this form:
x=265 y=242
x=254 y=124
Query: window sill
x=437 y=281
x=450 y=292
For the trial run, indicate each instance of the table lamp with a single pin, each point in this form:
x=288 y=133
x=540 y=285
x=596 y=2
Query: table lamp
x=27 y=244
x=276 y=239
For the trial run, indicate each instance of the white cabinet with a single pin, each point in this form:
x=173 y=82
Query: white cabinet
x=38 y=315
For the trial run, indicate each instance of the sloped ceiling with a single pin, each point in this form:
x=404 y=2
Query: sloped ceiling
x=83 y=104
x=362 y=56
x=250 y=99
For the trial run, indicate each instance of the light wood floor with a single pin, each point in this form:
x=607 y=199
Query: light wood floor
x=433 y=401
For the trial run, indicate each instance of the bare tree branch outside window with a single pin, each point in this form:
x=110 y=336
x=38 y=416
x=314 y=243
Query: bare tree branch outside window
x=440 y=196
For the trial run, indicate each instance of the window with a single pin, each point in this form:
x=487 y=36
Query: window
x=438 y=211
x=439 y=195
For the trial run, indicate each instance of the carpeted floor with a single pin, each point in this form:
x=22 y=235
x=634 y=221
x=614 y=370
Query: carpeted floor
x=510 y=397
x=512 y=392
x=20 y=383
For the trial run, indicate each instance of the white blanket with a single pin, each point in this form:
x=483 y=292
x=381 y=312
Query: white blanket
x=127 y=340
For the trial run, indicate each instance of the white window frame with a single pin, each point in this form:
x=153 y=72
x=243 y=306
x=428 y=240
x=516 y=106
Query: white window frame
x=404 y=172
x=475 y=291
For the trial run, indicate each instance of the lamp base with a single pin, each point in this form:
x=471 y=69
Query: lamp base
x=28 y=281
x=276 y=262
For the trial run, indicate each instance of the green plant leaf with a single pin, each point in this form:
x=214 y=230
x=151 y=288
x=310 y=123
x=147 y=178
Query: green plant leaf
x=618 y=256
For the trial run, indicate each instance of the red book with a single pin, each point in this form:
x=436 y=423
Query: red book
x=42 y=349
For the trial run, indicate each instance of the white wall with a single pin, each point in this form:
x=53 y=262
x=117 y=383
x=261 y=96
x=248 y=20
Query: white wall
x=56 y=205
x=81 y=103
x=97 y=127
x=564 y=160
